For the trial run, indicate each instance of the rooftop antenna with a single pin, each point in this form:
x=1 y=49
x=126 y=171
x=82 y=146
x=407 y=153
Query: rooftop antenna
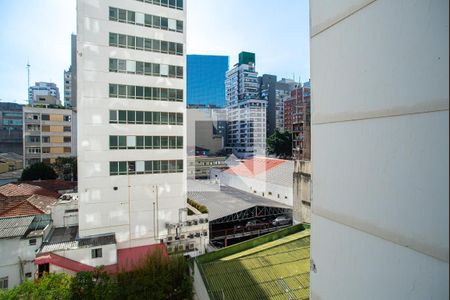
x=28 y=70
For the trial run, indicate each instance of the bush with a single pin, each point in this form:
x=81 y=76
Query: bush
x=201 y=208
x=93 y=285
x=38 y=171
x=50 y=286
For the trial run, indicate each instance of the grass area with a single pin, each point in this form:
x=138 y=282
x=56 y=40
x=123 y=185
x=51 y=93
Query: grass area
x=275 y=269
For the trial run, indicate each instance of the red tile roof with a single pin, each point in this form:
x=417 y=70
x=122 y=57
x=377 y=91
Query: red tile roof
x=254 y=166
x=25 y=189
x=54 y=185
x=23 y=208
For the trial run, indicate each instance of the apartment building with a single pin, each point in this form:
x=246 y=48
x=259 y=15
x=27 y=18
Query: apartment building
x=68 y=88
x=48 y=133
x=246 y=112
x=11 y=128
x=45 y=93
x=131 y=126
x=380 y=171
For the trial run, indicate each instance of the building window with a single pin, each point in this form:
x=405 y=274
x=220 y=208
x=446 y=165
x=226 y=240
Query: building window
x=140 y=117
x=145 y=44
x=32 y=242
x=3 y=282
x=145 y=167
x=145 y=142
x=147 y=93
x=124 y=16
x=28 y=275
x=96 y=253
x=144 y=68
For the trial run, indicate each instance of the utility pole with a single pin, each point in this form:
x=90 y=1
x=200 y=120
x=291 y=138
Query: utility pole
x=28 y=71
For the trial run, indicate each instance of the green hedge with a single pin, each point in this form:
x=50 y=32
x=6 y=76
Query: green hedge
x=227 y=251
x=201 y=208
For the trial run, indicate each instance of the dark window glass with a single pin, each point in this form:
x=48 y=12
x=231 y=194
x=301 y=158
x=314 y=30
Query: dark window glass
x=113 y=90
x=172 y=142
x=164 y=142
x=148 y=117
x=156 y=94
x=131 y=42
x=164 y=166
x=164 y=118
x=156 y=117
x=122 y=116
x=180 y=95
x=139 y=92
x=122 y=142
x=131 y=117
x=148 y=20
x=112 y=65
x=113 y=39
x=131 y=167
x=179 y=49
x=156 y=70
x=179 y=26
x=179 y=72
x=139 y=117
x=148 y=93
x=113 y=116
x=148 y=69
x=113 y=168
x=113 y=13
x=122 y=167
x=148 y=167
x=164 y=95
x=156 y=142
x=131 y=17
x=172 y=95
x=172 y=71
x=156 y=45
x=164 y=46
x=139 y=43
x=148 y=45
x=179 y=119
x=122 y=15
x=148 y=142
x=122 y=91
x=179 y=142
x=113 y=142
x=173 y=118
x=156 y=166
x=139 y=67
x=139 y=142
x=131 y=91
x=156 y=21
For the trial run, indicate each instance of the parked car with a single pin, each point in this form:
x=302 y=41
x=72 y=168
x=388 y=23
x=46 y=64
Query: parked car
x=281 y=220
x=255 y=224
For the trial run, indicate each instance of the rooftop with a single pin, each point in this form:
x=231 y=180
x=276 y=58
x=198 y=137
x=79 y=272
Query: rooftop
x=22 y=226
x=25 y=189
x=26 y=205
x=270 y=170
x=224 y=200
x=65 y=238
x=262 y=268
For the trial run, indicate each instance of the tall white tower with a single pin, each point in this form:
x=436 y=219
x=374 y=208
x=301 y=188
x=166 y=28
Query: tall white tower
x=131 y=116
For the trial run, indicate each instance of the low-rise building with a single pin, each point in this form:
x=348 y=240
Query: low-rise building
x=48 y=133
x=199 y=167
x=266 y=177
x=20 y=238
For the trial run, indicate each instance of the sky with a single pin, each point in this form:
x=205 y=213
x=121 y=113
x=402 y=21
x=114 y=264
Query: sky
x=39 y=31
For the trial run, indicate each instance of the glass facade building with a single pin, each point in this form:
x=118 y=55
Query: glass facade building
x=206 y=80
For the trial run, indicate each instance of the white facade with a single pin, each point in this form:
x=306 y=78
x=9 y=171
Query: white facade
x=43 y=93
x=68 y=88
x=380 y=170
x=246 y=114
x=65 y=211
x=134 y=207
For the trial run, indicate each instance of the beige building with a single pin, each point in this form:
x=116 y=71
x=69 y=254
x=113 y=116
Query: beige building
x=47 y=134
x=302 y=192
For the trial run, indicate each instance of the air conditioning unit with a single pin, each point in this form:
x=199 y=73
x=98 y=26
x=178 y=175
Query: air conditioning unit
x=180 y=247
x=197 y=234
x=182 y=237
x=170 y=249
x=191 y=246
x=201 y=221
x=170 y=238
x=191 y=235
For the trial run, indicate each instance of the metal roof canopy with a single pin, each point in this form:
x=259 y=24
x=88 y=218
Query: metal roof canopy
x=230 y=204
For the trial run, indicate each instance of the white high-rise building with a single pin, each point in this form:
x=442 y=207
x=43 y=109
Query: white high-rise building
x=246 y=113
x=68 y=88
x=130 y=101
x=380 y=144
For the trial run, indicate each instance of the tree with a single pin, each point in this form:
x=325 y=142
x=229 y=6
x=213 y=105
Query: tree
x=280 y=144
x=38 y=171
x=66 y=167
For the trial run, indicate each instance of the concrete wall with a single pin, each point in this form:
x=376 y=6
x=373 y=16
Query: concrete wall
x=10 y=265
x=379 y=227
x=84 y=255
x=275 y=192
x=302 y=192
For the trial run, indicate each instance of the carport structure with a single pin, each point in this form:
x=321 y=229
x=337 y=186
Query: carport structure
x=231 y=209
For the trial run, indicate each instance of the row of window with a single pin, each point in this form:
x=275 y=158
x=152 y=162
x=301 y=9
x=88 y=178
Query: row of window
x=48 y=128
x=37 y=150
x=140 y=43
x=46 y=139
x=145 y=117
x=138 y=18
x=46 y=117
x=143 y=92
x=145 y=142
x=178 y=4
x=144 y=68
x=145 y=167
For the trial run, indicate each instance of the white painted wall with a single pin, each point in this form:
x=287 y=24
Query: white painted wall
x=84 y=255
x=380 y=149
x=128 y=211
x=10 y=251
x=259 y=187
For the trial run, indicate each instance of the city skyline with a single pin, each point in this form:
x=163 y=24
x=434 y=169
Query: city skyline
x=57 y=20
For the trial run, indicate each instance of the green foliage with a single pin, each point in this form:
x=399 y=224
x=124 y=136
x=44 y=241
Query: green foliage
x=280 y=144
x=159 y=277
x=93 y=285
x=201 y=208
x=50 y=286
x=38 y=171
x=66 y=167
